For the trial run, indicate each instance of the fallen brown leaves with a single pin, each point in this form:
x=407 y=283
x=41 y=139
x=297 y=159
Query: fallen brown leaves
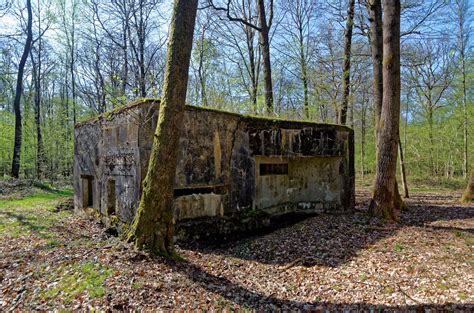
x=345 y=262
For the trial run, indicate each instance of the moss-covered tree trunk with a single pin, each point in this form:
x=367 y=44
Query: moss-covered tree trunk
x=153 y=226
x=374 y=8
x=468 y=195
x=385 y=201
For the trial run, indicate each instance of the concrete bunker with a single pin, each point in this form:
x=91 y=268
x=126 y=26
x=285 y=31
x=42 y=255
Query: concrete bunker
x=235 y=173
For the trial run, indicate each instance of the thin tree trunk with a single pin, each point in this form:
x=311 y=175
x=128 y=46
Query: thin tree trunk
x=141 y=36
x=346 y=69
x=402 y=171
x=72 y=65
x=464 y=94
x=376 y=48
x=431 y=139
x=465 y=119
x=18 y=91
x=385 y=202
x=200 y=69
x=37 y=111
x=153 y=226
x=253 y=72
x=304 y=73
x=363 y=135
x=125 y=59
x=265 y=44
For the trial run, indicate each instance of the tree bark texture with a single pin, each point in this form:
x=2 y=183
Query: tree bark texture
x=402 y=171
x=376 y=48
x=462 y=49
x=346 y=68
x=265 y=44
x=468 y=195
x=18 y=91
x=153 y=226
x=385 y=202
x=36 y=76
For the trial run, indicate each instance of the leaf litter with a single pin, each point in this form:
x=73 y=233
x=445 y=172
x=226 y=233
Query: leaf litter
x=327 y=262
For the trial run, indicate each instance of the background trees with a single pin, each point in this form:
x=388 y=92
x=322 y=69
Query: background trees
x=97 y=55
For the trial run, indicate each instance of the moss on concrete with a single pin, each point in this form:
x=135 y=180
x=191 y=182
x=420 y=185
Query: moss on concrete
x=109 y=115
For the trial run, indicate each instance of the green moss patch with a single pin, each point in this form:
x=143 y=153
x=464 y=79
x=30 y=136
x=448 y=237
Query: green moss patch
x=78 y=280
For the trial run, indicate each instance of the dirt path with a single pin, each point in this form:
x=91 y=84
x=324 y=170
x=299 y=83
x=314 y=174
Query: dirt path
x=58 y=260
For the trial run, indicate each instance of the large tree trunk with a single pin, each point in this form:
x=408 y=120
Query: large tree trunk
x=153 y=226
x=265 y=43
x=385 y=202
x=468 y=195
x=346 y=69
x=374 y=8
x=19 y=89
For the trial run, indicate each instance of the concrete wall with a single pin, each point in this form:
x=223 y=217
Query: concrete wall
x=229 y=166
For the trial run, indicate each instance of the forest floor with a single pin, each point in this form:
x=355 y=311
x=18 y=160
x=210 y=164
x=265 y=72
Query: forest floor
x=53 y=259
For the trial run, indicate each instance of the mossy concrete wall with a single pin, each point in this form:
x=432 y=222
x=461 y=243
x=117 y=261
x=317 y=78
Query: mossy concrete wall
x=230 y=167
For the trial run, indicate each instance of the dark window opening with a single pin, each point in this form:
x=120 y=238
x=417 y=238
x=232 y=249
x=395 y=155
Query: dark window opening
x=273 y=169
x=111 y=197
x=330 y=139
x=199 y=190
x=87 y=191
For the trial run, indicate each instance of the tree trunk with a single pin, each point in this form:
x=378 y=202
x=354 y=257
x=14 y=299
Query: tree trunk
x=468 y=195
x=385 y=202
x=433 y=167
x=153 y=226
x=202 y=81
x=304 y=73
x=362 y=134
x=376 y=48
x=72 y=65
x=265 y=43
x=37 y=111
x=141 y=43
x=19 y=89
x=374 y=8
x=402 y=171
x=346 y=69
x=462 y=49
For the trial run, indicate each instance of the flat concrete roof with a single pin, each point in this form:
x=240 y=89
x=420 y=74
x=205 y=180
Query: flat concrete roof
x=283 y=123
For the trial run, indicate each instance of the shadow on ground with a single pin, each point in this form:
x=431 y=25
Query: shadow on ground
x=247 y=298
x=328 y=240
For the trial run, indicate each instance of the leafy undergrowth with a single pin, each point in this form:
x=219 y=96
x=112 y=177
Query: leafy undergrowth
x=58 y=260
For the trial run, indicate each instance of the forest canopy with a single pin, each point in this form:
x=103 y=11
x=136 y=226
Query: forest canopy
x=88 y=57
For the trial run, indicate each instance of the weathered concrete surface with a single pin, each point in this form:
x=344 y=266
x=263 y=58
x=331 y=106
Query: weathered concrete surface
x=230 y=168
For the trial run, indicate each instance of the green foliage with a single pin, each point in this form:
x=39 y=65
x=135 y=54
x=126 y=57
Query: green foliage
x=7 y=123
